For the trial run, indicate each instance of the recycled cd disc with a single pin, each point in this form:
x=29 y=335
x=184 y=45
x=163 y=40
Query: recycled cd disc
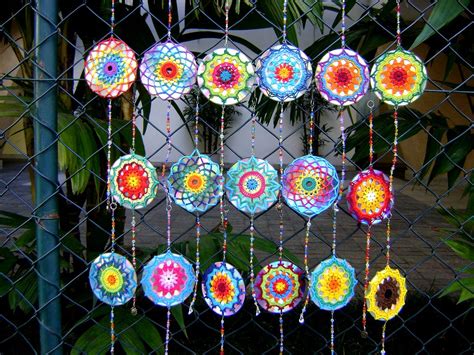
x=168 y=279
x=252 y=185
x=279 y=286
x=133 y=181
x=223 y=288
x=113 y=279
x=110 y=68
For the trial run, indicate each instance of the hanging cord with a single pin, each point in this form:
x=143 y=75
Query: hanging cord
x=280 y=203
x=399 y=37
x=343 y=24
x=168 y=248
x=112 y=17
x=109 y=150
x=170 y=17
x=198 y=221
x=370 y=105
x=280 y=212
x=113 y=207
x=222 y=210
x=308 y=224
x=285 y=6
x=226 y=31
x=168 y=142
x=388 y=230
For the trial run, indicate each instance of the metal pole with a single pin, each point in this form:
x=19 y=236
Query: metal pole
x=46 y=176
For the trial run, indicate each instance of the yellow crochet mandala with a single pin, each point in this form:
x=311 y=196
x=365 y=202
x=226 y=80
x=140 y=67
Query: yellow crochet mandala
x=386 y=294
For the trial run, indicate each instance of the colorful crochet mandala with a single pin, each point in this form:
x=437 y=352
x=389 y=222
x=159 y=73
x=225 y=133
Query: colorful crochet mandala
x=369 y=198
x=284 y=72
x=342 y=77
x=194 y=182
x=332 y=284
x=386 y=294
x=110 y=68
x=133 y=181
x=223 y=288
x=226 y=76
x=398 y=77
x=310 y=185
x=168 y=279
x=112 y=279
x=279 y=286
x=168 y=70
x=252 y=185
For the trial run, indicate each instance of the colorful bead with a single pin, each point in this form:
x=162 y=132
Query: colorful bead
x=112 y=279
x=168 y=279
x=252 y=185
x=226 y=76
x=284 y=73
x=310 y=185
x=223 y=288
x=168 y=70
x=398 y=77
x=194 y=182
x=110 y=68
x=133 y=181
x=342 y=77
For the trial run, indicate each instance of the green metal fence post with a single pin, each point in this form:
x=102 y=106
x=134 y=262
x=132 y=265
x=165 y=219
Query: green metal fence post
x=46 y=177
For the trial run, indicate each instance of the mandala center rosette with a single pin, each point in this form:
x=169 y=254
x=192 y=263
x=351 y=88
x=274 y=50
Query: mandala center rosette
x=110 y=68
x=398 y=77
x=310 y=185
x=168 y=70
x=386 y=294
x=168 y=279
x=133 y=181
x=112 y=279
x=342 y=77
x=194 y=182
x=223 y=289
x=279 y=286
x=284 y=73
x=369 y=197
x=226 y=76
x=332 y=284
x=252 y=185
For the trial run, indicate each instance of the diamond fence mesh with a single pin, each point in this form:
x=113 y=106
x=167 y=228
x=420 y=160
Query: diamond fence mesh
x=53 y=216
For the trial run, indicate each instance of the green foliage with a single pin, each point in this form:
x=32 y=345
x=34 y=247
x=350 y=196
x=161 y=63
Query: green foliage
x=461 y=241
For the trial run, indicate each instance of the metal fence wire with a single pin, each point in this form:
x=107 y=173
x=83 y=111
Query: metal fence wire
x=53 y=216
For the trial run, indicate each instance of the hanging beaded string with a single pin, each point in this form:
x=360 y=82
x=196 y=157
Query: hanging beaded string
x=343 y=24
x=198 y=221
x=280 y=211
x=170 y=17
x=368 y=236
x=252 y=227
x=133 y=222
x=285 y=17
x=111 y=205
x=392 y=171
x=222 y=205
x=308 y=224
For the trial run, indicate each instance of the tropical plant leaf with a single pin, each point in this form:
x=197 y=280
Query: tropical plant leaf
x=463 y=248
x=444 y=11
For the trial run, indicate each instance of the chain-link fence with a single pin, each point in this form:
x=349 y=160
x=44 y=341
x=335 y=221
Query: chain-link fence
x=54 y=222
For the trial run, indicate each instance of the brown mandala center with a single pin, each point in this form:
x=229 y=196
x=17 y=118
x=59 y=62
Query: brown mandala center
x=388 y=293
